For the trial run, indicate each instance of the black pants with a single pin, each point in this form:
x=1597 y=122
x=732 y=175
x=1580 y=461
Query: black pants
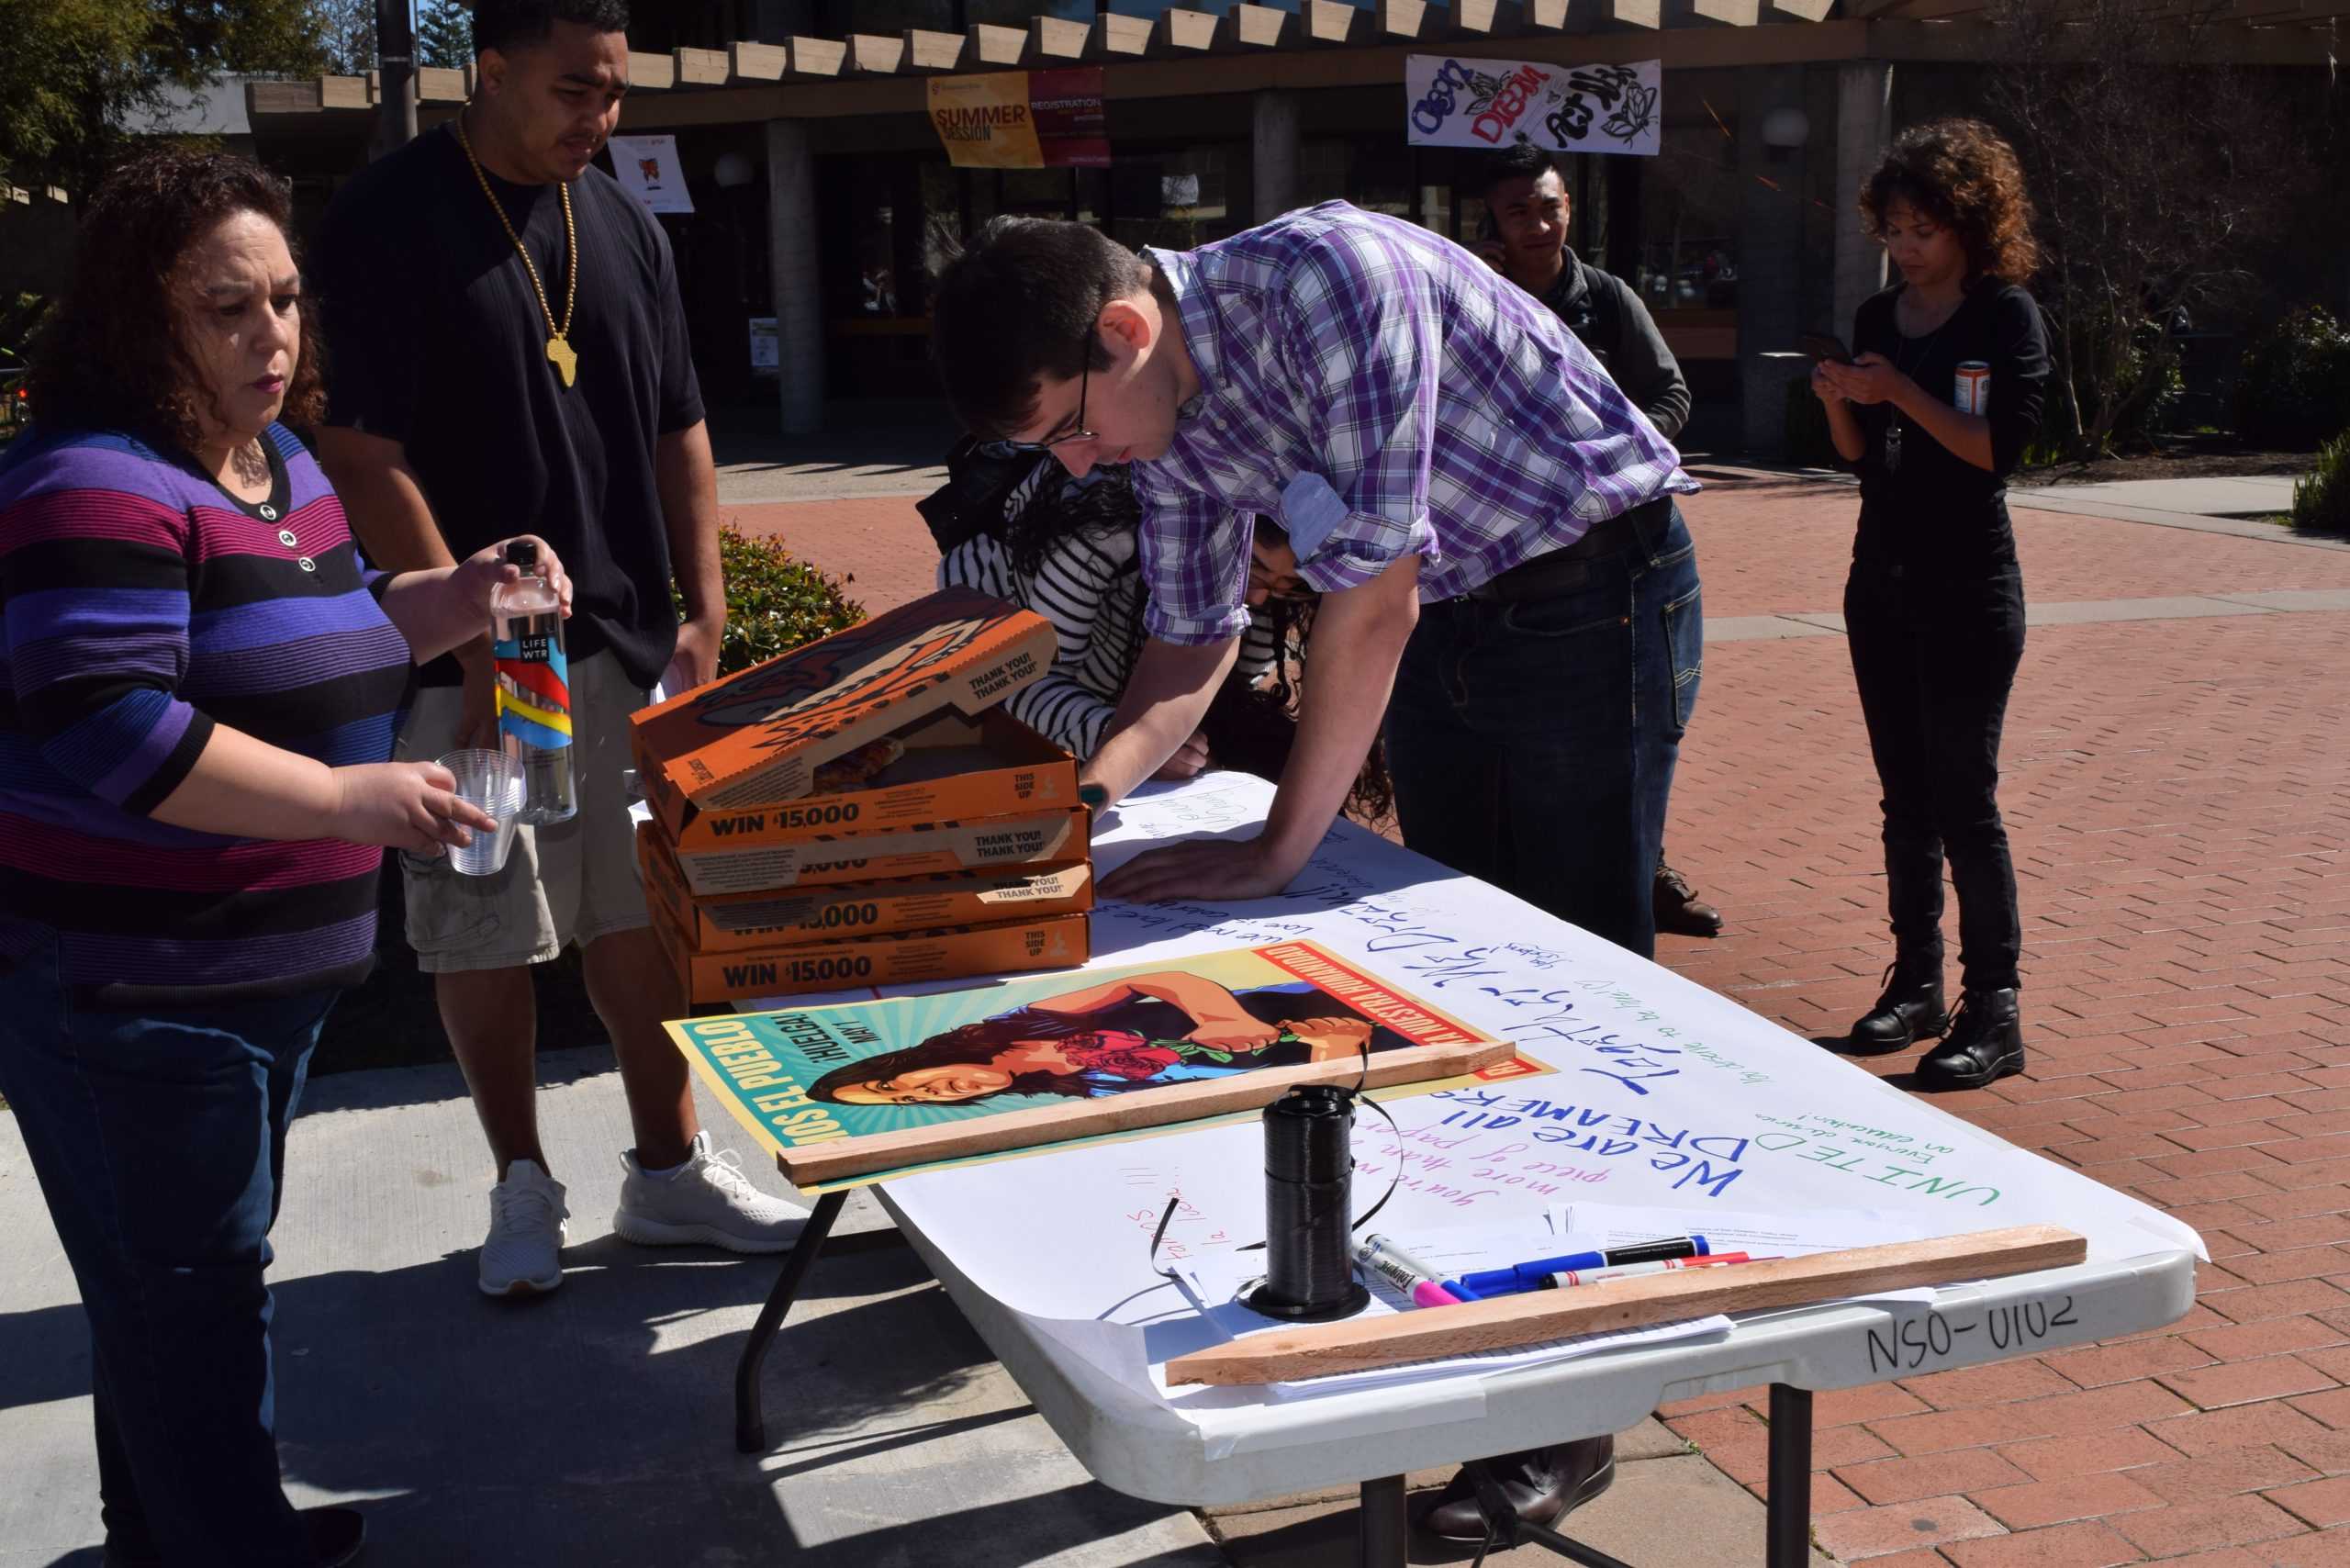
x=1934 y=653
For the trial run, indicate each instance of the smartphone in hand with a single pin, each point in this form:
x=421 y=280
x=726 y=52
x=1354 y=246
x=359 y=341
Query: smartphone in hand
x=1824 y=348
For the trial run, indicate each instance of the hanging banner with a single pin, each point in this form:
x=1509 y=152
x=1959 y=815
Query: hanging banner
x=1023 y=120
x=1497 y=103
x=648 y=169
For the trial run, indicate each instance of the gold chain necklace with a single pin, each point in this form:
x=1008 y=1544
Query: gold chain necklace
x=559 y=351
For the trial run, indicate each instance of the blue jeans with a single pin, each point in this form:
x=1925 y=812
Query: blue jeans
x=159 y=1140
x=1532 y=743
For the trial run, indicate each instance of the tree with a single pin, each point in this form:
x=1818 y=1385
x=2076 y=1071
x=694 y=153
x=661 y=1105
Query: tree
x=2159 y=174
x=445 y=34
x=75 y=73
x=347 y=32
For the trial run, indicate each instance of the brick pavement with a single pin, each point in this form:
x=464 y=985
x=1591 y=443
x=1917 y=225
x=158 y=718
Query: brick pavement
x=2179 y=794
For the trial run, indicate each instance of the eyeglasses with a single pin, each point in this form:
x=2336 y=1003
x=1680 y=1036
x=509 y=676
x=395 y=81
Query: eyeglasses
x=1084 y=385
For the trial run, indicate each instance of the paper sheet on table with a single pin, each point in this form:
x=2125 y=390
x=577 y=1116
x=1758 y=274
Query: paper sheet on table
x=1796 y=1235
x=1219 y=1280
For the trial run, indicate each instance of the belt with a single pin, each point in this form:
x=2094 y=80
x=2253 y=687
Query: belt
x=1567 y=568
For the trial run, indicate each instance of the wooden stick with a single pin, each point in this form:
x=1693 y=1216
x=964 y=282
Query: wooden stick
x=810 y=1165
x=1513 y=1322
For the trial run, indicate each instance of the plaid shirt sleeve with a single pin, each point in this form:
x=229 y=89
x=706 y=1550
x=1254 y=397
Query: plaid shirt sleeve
x=1363 y=343
x=1194 y=562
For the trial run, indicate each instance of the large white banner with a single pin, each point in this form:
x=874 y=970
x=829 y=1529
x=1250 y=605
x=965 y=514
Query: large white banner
x=1495 y=103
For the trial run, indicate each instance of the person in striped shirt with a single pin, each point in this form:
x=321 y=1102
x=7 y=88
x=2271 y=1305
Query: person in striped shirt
x=199 y=686
x=1064 y=546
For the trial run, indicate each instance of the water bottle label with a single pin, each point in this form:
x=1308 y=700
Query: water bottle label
x=533 y=691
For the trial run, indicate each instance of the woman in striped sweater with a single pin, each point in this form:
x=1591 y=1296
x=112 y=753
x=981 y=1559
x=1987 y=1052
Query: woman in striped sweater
x=1065 y=548
x=201 y=687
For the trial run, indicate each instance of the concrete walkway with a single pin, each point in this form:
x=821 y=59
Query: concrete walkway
x=2178 y=791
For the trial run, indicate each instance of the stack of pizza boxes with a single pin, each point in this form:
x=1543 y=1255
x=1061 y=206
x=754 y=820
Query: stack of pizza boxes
x=862 y=813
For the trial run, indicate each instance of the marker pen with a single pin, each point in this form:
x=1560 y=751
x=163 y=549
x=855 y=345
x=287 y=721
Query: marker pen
x=1529 y=1275
x=1567 y=1277
x=1408 y=1274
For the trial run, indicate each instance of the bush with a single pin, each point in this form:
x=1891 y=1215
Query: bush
x=775 y=601
x=2294 y=388
x=2321 y=498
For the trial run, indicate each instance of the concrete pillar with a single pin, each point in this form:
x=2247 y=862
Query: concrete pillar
x=1770 y=253
x=1275 y=139
x=791 y=255
x=1864 y=126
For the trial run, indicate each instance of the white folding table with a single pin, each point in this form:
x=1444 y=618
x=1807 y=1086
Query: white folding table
x=1660 y=1094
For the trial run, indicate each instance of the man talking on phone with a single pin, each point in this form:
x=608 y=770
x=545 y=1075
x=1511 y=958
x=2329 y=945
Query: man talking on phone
x=1527 y=215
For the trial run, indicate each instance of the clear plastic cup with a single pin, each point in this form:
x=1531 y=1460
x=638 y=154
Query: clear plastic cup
x=492 y=780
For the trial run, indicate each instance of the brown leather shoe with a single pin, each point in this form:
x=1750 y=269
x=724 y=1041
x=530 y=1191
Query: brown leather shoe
x=1543 y=1486
x=1678 y=908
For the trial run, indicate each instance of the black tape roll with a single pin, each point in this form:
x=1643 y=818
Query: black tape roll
x=1309 y=1190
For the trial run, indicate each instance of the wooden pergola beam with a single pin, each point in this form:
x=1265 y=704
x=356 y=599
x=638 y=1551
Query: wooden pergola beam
x=1259 y=26
x=927 y=51
x=987 y=47
x=1057 y=40
x=646 y=72
x=1181 y=32
x=701 y=67
x=1117 y=37
x=1328 y=21
x=757 y=61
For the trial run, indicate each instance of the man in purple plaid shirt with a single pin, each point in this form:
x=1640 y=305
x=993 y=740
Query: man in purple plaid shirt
x=1488 y=521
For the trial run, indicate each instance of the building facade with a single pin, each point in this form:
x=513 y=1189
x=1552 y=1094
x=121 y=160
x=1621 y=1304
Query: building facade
x=824 y=201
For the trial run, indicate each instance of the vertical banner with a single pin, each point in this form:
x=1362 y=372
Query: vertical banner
x=647 y=168
x=1496 y=103
x=1023 y=120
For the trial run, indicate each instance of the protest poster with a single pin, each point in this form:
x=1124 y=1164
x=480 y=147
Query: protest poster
x=647 y=168
x=1493 y=104
x=1022 y=119
x=876 y=1086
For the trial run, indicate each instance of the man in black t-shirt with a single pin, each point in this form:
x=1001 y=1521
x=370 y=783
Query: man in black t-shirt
x=507 y=352
x=1526 y=212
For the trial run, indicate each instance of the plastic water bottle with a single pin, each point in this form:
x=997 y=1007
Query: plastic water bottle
x=534 y=689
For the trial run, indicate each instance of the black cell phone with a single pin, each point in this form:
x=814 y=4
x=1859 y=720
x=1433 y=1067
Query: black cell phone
x=1825 y=347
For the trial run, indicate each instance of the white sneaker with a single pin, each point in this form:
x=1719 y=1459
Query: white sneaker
x=706 y=1199
x=524 y=1254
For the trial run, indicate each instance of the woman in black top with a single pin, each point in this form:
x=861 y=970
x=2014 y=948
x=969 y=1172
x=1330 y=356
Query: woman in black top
x=1949 y=369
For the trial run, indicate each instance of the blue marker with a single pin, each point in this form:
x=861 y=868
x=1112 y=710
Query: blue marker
x=1531 y=1275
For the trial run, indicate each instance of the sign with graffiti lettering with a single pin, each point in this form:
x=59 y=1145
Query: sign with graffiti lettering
x=1453 y=102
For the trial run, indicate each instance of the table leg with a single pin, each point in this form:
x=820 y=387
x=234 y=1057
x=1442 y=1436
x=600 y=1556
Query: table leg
x=1385 y=1529
x=1789 y=1525
x=750 y=1424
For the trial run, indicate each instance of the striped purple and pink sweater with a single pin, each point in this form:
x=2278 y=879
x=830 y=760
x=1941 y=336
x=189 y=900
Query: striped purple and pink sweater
x=141 y=605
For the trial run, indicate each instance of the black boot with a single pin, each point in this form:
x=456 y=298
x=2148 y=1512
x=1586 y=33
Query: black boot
x=1985 y=1044
x=1543 y=1485
x=1678 y=909
x=1909 y=1010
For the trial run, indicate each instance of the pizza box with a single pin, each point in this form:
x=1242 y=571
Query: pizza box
x=939 y=767
x=734 y=922
x=758 y=737
x=924 y=849
x=1054 y=942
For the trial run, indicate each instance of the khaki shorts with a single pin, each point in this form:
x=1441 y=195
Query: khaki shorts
x=570 y=881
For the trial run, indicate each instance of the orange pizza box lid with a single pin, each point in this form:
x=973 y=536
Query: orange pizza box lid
x=756 y=737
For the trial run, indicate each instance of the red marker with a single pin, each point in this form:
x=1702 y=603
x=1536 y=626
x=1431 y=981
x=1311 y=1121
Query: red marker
x=1567 y=1278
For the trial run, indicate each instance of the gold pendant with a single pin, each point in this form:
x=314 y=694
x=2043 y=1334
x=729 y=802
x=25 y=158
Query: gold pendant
x=559 y=354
